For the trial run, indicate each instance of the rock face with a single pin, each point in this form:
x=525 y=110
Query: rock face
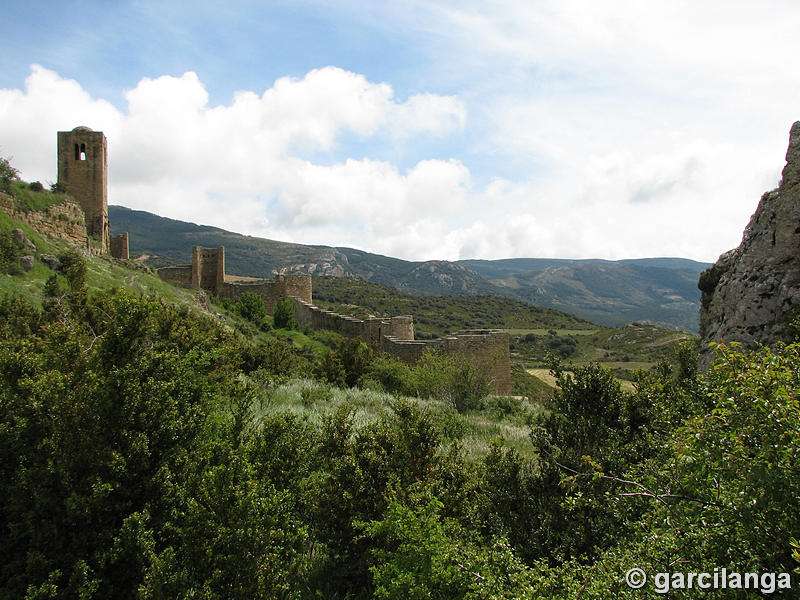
x=752 y=293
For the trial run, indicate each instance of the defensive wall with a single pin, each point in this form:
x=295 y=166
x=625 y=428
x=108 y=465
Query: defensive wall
x=486 y=349
x=63 y=221
x=207 y=272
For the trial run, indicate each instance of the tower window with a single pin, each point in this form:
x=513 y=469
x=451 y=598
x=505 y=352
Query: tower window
x=83 y=152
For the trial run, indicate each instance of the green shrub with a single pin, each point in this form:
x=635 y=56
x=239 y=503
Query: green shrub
x=251 y=307
x=283 y=314
x=451 y=379
x=9 y=254
x=73 y=265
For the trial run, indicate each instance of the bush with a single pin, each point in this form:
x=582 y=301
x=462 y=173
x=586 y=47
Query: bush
x=346 y=365
x=451 y=379
x=7 y=174
x=251 y=307
x=283 y=314
x=73 y=265
x=9 y=254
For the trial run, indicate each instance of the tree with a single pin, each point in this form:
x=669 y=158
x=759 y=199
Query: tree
x=251 y=307
x=7 y=174
x=283 y=314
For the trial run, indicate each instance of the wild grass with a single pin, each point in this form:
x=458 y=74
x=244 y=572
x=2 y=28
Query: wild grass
x=500 y=419
x=27 y=199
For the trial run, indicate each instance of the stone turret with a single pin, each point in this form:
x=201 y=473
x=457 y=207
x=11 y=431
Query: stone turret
x=752 y=292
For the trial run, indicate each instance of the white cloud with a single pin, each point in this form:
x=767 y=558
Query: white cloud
x=617 y=130
x=237 y=166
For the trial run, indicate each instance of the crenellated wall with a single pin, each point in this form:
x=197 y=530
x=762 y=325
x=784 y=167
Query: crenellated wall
x=485 y=349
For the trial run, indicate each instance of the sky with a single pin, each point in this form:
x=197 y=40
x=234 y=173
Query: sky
x=419 y=129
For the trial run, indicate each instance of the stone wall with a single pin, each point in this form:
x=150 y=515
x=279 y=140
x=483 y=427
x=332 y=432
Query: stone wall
x=485 y=349
x=63 y=221
x=180 y=276
x=270 y=290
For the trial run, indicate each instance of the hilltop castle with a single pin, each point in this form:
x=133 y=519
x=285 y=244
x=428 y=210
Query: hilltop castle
x=83 y=174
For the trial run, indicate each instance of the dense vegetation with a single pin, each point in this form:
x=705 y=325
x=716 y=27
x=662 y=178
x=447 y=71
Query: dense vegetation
x=435 y=316
x=149 y=450
x=160 y=444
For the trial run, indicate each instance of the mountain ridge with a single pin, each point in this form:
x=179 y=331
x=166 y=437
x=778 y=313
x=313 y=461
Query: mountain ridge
x=661 y=290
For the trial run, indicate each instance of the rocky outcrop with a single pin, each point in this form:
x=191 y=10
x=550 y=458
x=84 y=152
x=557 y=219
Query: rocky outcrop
x=752 y=293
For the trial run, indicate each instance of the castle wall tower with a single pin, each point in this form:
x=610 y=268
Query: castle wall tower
x=83 y=173
x=208 y=269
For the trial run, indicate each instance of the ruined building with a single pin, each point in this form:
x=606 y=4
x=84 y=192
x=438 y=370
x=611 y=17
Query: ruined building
x=83 y=174
x=486 y=349
x=752 y=293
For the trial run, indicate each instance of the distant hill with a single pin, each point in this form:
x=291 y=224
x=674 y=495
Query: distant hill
x=658 y=290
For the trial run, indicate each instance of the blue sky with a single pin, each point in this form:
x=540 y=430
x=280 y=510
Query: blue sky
x=420 y=129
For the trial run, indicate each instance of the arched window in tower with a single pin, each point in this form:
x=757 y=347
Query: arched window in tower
x=83 y=152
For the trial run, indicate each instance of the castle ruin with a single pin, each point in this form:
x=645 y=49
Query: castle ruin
x=486 y=349
x=83 y=174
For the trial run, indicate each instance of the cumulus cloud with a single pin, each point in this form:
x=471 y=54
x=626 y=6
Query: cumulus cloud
x=239 y=166
x=643 y=130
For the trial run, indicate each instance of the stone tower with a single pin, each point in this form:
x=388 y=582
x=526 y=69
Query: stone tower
x=83 y=174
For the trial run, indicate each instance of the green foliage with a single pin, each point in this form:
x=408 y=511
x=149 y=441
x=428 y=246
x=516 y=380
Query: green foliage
x=251 y=307
x=347 y=364
x=52 y=287
x=10 y=253
x=116 y=461
x=7 y=174
x=32 y=196
x=451 y=379
x=73 y=266
x=283 y=314
x=422 y=555
x=146 y=450
x=740 y=460
x=436 y=315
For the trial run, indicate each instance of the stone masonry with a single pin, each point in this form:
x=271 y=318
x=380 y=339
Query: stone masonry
x=83 y=174
x=486 y=349
x=753 y=292
x=63 y=221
